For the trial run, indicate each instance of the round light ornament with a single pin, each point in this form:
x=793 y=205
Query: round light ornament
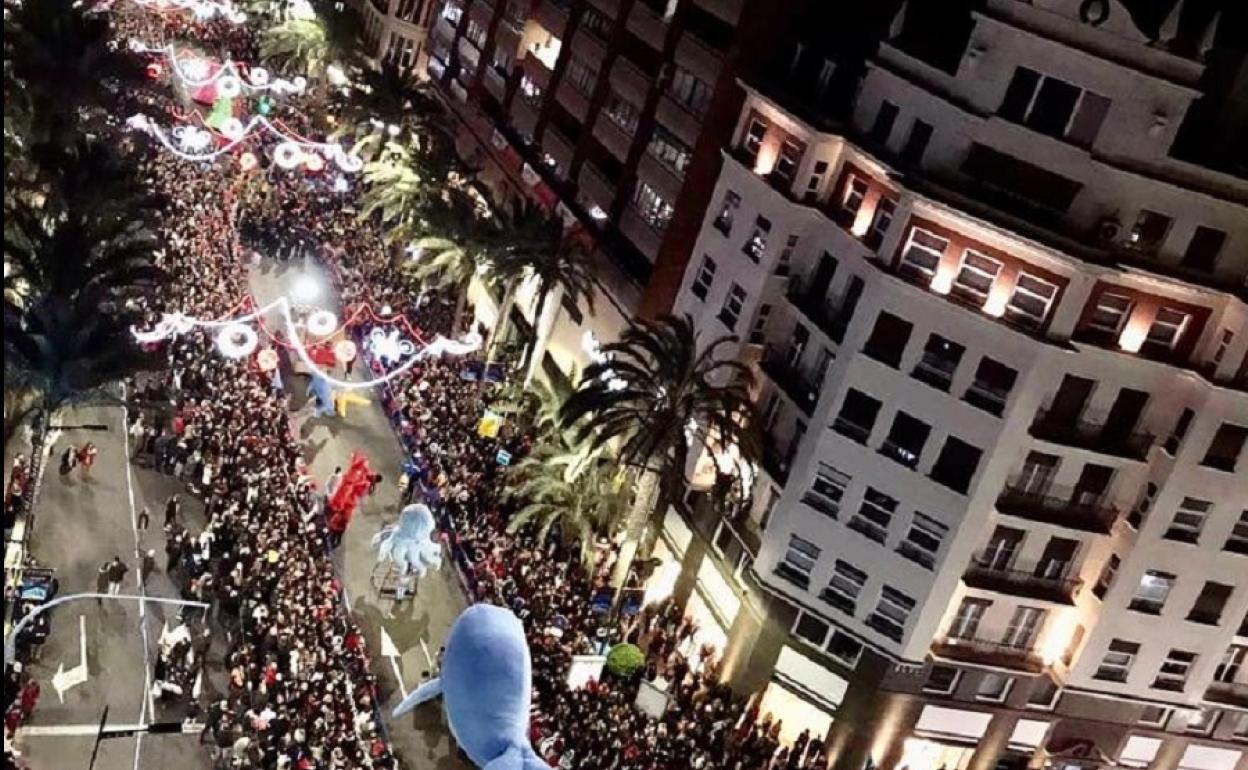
x=288 y=155
x=229 y=87
x=237 y=341
x=267 y=359
x=344 y=351
x=322 y=323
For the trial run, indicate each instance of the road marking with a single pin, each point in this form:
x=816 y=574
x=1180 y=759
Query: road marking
x=64 y=680
x=147 y=702
x=55 y=731
x=425 y=648
x=389 y=650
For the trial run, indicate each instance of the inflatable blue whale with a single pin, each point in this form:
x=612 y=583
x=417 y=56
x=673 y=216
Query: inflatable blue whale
x=486 y=688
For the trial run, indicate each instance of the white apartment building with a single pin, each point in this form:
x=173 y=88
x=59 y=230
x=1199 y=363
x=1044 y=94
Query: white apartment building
x=1002 y=344
x=395 y=31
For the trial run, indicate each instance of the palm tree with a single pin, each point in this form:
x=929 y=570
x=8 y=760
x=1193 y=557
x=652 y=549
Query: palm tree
x=389 y=95
x=64 y=64
x=658 y=396
x=575 y=487
x=309 y=44
x=407 y=186
x=535 y=247
x=451 y=253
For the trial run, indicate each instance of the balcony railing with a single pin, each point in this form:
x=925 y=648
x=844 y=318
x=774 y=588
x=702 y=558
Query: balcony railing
x=793 y=381
x=1228 y=694
x=1057 y=506
x=983 y=396
x=989 y=653
x=1035 y=583
x=1090 y=432
x=831 y=318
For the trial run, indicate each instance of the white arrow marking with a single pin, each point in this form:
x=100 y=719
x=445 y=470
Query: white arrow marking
x=389 y=650
x=63 y=680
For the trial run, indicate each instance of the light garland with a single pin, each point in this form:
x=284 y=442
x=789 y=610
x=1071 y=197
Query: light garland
x=203 y=10
x=236 y=339
x=229 y=78
x=192 y=143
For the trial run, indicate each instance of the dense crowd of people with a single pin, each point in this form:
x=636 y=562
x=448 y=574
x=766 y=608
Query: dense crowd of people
x=300 y=693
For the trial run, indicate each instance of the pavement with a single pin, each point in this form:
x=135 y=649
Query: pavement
x=82 y=522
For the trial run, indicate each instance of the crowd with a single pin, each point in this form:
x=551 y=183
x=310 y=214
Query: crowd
x=300 y=694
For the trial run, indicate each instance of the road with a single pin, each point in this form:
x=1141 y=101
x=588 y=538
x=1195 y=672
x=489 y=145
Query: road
x=83 y=522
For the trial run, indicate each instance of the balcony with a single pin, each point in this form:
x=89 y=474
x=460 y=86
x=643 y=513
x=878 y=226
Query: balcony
x=1228 y=694
x=1062 y=509
x=986 y=652
x=830 y=318
x=1091 y=432
x=1035 y=583
x=795 y=383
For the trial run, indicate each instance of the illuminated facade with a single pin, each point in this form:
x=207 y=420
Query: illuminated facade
x=1001 y=337
x=396 y=31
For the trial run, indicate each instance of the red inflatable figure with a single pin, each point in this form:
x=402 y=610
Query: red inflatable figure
x=341 y=505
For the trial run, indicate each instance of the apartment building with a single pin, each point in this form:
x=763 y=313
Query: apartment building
x=395 y=31
x=1001 y=333
x=611 y=111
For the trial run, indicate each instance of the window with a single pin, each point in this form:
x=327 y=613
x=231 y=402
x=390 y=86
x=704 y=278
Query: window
x=916 y=143
x=880 y=222
x=939 y=361
x=1116 y=664
x=786 y=163
x=669 y=150
x=531 y=92
x=753 y=139
x=1210 y=603
x=503 y=60
x=785 y=261
x=475 y=33
x=1111 y=313
x=1044 y=694
x=1142 y=506
x=622 y=112
x=653 y=209
x=892 y=613
x=1203 y=249
x=956 y=465
x=888 y=339
x=810 y=628
x=1024 y=624
x=1240 y=730
x=1148 y=232
x=922 y=543
x=1188 y=520
x=1237 y=542
x=691 y=92
x=844 y=587
x=874 y=515
x=1154 y=716
x=882 y=126
x=452 y=12
x=975 y=277
x=1106 y=578
x=922 y=253
x=1224 y=450
x=1203 y=721
x=1224 y=343
x=851 y=200
x=799 y=561
x=733 y=303
x=1175 y=440
x=1150 y=595
x=1054 y=107
x=1174 y=670
x=857 y=416
x=905 y=440
x=593 y=21
x=844 y=648
x=1030 y=302
x=758 y=332
x=727 y=211
x=991 y=388
x=1232 y=661
x=994 y=687
x=1167 y=328
x=815 y=181
x=942 y=680
x=756 y=244
x=704 y=279
x=966 y=621
x=827 y=490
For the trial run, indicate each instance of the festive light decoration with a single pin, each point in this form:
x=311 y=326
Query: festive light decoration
x=388 y=347
x=236 y=339
x=267 y=359
x=322 y=323
x=204 y=10
x=194 y=143
x=247 y=161
x=197 y=72
x=344 y=351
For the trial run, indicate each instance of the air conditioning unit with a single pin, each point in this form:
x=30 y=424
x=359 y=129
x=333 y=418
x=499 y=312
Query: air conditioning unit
x=1108 y=230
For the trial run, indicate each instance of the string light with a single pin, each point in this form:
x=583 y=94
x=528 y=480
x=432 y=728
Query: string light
x=193 y=72
x=193 y=143
x=203 y=10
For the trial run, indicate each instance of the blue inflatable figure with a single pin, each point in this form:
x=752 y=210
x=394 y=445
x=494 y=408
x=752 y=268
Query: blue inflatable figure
x=486 y=688
x=320 y=390
x=409 y=543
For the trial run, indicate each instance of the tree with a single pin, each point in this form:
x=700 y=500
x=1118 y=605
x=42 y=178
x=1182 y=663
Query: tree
x=657 y=395
x=388 y=95
x=451 y=252
x=408 y=187
x=309 y=43
x=535 y=247
x=59 y=56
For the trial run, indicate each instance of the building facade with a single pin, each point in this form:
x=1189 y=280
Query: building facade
x=611 y=111
x=395 y=31
x=1001 y=336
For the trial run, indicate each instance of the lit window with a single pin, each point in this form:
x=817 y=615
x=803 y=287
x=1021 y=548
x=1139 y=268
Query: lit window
x=622 y=112
x=669 y=150
x=756 y=244
x=1029 y=305
x=581 y=76
x=689 y=90
x=1149 y=231
x=754 y=138
x=530 y=91
x=1110 y=313
x=880 y=222
x=727 y=211
x=1150 y=595
x=653 y=209
x=1023 y=627
x=1167 y=328
x=994 y=687
x=790 y=157
x=966 y=621
x=855 y=193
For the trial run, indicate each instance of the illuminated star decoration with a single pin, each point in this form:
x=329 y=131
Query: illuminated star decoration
x=389 y=347
x=235 y=338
